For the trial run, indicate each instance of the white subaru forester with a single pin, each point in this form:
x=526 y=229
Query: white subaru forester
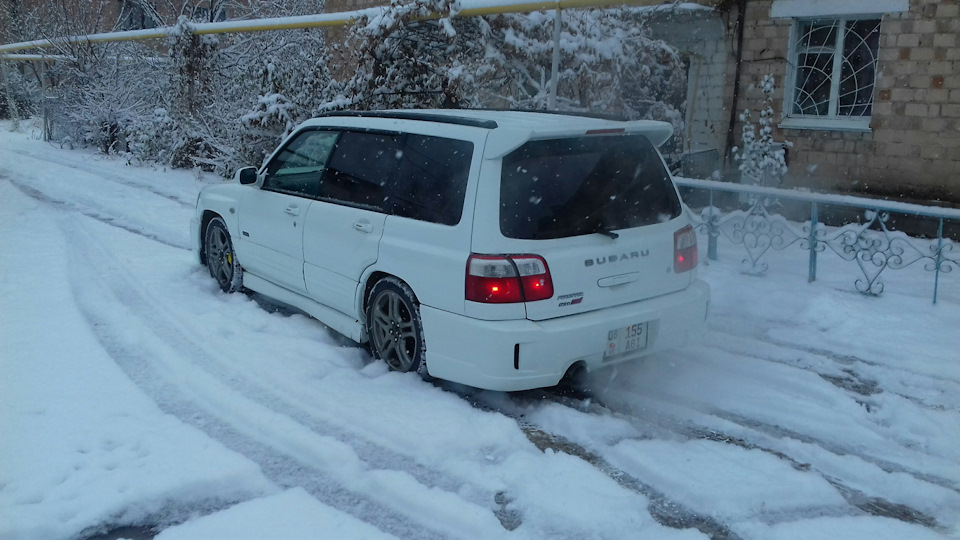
x=499 y=249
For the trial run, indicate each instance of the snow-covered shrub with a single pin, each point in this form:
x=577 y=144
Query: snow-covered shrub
x=406 y=61
x=608 y=64
x=762 y=161
x=103 y=94
x=22 y=90
x=286 y=79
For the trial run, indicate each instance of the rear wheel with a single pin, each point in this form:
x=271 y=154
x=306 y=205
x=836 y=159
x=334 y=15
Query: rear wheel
x=221 y=259
x=394 y=326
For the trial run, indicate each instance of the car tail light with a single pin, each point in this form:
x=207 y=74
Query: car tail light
x=684 y=249
x=503 y=279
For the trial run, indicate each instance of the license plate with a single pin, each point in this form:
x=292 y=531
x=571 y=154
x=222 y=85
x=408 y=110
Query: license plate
x=625 y=340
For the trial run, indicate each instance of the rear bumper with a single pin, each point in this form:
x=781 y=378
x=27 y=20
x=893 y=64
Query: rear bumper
x=524 y=354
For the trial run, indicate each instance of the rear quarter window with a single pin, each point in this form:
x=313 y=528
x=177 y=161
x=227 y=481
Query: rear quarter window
x=414 y=176
x=569 y=187
x=432 y=179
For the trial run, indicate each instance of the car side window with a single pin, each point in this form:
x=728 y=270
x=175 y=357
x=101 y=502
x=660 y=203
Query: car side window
x=297 y=169
x=362 y=166
x=414 y=176
x=432 y=179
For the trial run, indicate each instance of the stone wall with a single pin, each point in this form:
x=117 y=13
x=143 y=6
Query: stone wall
x=913 y=149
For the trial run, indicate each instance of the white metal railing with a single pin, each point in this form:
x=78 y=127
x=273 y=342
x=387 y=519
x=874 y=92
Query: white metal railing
x=871 y=244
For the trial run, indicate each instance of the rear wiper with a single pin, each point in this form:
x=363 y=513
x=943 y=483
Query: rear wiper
x=607 y=233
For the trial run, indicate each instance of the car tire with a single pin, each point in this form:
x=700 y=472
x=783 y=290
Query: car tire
x=221 y=258
x=395 y=328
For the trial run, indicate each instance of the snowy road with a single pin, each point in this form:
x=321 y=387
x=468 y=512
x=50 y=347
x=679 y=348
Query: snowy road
x=133 y=392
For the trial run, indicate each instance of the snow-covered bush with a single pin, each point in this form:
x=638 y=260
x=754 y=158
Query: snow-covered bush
x=608 y=62
x=287 y=82
x=762 y=161
x=405 y=60
x=22 y=90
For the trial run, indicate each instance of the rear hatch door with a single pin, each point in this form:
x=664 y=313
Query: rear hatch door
x=602 y=212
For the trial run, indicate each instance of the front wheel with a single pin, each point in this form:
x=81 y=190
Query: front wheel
x=221 y=259
x=394 y=326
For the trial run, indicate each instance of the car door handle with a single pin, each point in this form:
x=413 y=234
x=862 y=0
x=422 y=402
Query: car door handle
x=363 y=226
x=292 y=210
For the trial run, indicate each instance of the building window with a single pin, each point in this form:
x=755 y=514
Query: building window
x=833 y=72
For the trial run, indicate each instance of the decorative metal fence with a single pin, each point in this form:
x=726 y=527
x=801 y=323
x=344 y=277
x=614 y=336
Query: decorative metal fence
x=871 y=243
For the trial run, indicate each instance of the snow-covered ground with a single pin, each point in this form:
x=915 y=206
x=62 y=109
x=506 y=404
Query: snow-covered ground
x=134 y=393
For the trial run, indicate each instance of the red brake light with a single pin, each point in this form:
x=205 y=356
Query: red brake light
x=684 y=250
x=504 y=279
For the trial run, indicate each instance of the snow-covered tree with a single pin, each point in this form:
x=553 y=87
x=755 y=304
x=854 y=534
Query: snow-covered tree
x=609 y=64
x=406 y=60
x=762 y=161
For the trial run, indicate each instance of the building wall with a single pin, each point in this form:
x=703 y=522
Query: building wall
x=913 y=148
x=700 y=36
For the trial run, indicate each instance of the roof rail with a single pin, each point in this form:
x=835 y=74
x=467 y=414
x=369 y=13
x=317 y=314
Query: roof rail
x=585 y=114
x=425 y=116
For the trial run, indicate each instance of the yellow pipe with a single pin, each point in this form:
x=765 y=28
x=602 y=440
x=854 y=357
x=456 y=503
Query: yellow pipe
x=34 y=57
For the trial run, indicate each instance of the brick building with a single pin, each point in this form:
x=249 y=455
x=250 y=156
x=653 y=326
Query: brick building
x=868 y=91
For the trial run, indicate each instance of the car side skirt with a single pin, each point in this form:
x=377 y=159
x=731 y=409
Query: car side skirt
x=348 y=326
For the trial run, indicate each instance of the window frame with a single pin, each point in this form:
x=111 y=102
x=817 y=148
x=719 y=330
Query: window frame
x=831 y=121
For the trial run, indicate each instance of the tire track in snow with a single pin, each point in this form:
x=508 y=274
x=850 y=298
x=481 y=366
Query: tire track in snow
x=290 y=452
x=781 y=432
x=103 y=174
x=665 y=422
x=755 y=435
x=845 y=363
x=664 y=510
x=112 y=221
x=845 y=374
x=861 y=388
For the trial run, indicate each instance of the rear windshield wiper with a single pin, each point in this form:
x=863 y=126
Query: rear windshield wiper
x=605 y=232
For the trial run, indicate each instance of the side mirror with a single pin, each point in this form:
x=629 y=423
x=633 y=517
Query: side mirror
x=247 y=175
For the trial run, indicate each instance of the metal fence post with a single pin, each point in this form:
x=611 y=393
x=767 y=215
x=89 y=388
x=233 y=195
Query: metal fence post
x=812 y=240
x=712 y=232
x=938 y=261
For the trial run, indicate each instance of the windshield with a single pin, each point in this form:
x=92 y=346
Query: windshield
x=569 y=187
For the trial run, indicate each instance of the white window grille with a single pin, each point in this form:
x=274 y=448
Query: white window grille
x=833 y=73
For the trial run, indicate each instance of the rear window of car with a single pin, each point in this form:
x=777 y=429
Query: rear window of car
x=414 y=176
x=560 y=188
